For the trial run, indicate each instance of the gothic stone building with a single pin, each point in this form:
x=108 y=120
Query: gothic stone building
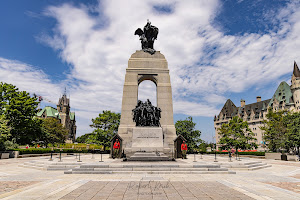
x=285 y=97
x=66 y=118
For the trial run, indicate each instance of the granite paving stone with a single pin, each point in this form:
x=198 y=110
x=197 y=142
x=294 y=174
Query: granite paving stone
x=281 y=181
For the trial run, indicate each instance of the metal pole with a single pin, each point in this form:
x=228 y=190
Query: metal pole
x=79 y=158
x=215 y=154
x=101 y=157
x=60 y=156
x=51 y=157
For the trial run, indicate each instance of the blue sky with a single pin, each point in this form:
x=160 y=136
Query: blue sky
x=216 y=50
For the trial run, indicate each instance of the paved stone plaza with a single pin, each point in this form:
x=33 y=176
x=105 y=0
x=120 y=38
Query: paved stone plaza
x=279 y=181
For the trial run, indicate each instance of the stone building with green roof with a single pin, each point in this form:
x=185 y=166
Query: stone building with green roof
x=63 y=114
x=285 y=97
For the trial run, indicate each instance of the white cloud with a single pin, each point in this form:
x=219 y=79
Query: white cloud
x=27 y=77
x=205 y=64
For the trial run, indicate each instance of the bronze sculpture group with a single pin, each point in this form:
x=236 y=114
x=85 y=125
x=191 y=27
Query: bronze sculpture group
x=145 y=114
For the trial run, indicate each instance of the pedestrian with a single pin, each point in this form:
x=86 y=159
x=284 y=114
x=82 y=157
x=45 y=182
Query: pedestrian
x=183 y=149
x=116 y=149
x=27 y=146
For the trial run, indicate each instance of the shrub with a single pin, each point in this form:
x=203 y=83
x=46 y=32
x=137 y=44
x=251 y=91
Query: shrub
x=257 y=153
x=48 y=150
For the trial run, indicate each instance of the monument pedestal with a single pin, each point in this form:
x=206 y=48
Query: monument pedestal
x=147 y=139
x=144 y=66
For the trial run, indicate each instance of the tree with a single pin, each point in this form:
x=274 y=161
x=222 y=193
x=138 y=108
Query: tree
x=53 y=131
x=292 y=135
x=4 y=132
x=19 y=109
x=106 y=126
x=275 y=129
x=86 y=138
x=236 y=135
x=186 y=128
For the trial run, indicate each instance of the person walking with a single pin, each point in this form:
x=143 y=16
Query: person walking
x=183 y=149
x=116 y=149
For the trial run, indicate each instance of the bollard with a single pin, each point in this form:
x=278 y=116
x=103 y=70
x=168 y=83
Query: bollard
x=200 y=155
x=79 y=158
x=101 y=157
x=215 y=157
x=230 y=157
x=60 y=156
x=51 y=157
x=93 y=152
x=194 y=157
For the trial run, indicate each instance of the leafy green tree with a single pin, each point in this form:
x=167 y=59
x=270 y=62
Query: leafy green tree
x=236 y=135
x=4 y=132
x=106 y=126
x=86 y=138
x=275 y=129
x=53 y=131
x=19 y=109
x=292 y=135
x=186 y=128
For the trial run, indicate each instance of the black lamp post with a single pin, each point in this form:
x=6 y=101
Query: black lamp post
x=230 y=156
x=101 y=156
x=215 y=153
x=79 y=156
x=60 y=150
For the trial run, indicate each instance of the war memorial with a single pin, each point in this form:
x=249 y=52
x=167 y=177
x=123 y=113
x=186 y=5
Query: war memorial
x=149 y=147
x=144 y=128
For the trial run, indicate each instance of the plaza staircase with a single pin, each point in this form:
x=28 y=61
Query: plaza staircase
x=149 y=168
x=50 y=166
x=247 y=166
x=148 y=156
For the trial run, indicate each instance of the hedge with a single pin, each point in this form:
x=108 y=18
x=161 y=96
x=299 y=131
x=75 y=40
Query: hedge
x=256 y=153
x=48 y=150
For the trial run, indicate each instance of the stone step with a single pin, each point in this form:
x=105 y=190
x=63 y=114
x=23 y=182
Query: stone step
x=149 y=172
x=149 y=169
x=149 y=158
x=147 y=166
x=62 y=166
x=93 y=166
x=259 y=167
x=64 y=163
x=253 y=162
x=144 y=154
x=32 y=167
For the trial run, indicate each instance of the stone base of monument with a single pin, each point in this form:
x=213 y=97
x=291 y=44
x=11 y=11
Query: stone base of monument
x=148 y=156
x=147 y=139
x=149 y=168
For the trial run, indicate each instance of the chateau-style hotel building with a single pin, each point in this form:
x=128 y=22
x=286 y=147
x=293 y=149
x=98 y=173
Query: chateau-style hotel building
x=285 y=97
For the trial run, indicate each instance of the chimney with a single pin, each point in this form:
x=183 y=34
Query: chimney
x=243 y=102
x=258 y=98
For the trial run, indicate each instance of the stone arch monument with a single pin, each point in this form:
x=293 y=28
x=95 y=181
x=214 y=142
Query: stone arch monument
x=146 y=65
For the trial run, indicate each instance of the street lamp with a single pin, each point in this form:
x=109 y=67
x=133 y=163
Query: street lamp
x=215 y=145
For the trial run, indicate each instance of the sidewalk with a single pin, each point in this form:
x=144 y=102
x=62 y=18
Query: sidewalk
x=277 y=182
